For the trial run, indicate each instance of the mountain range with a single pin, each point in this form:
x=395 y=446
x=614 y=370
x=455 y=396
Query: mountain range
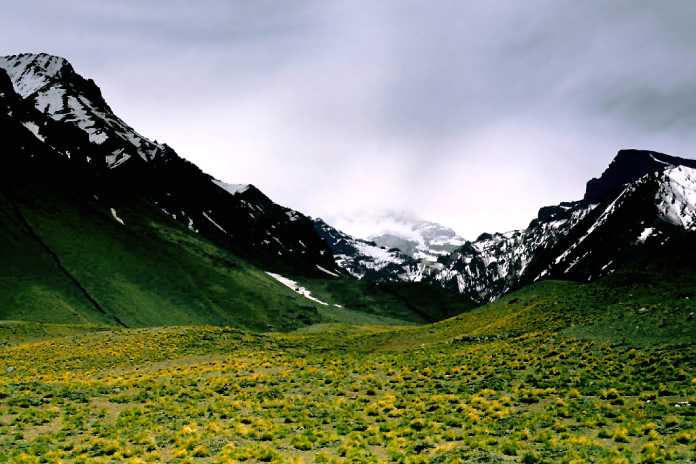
x=644 y=200
x=100 y=224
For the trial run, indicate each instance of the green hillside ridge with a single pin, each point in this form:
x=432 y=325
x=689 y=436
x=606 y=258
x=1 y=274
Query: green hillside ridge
x=556 y=372
x=149 y=271
x=30 y=281
x=66 y=260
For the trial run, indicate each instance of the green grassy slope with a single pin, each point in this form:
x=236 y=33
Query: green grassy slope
x=529 y=378
x=14 y=332
x=633 y=307
x=406 y=302
x=148 y=272
x=30 y=282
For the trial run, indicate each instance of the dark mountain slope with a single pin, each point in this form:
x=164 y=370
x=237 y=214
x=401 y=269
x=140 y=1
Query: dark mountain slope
x=118 y=159
x=77 y=246
x=628 y=166
x=147 y=271
x=30 y=278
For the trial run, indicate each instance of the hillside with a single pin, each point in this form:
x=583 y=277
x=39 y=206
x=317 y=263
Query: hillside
x=101 y=225
x=121 y=262
x=558 y=372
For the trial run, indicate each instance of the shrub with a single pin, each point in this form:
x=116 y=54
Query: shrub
x=530 y=457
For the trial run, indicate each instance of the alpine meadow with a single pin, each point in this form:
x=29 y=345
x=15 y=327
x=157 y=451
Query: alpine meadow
x=152 y=312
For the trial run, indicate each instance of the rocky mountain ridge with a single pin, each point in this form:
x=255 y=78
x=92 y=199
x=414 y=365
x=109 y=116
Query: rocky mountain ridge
x=113 y=157
x=643 y=198
x=54 y=120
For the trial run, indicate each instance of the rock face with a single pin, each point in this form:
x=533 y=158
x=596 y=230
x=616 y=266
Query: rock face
x=69 y=113
x=628 y=166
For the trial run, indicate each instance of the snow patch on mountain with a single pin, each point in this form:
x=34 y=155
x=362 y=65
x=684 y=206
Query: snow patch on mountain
x=50 y=100
x=647 y=232
x=377 y=254
x=326 y=271
x=233 y=189
x=212 y=221
x=34 y=128
x=30 y=72
x=114 y=214
x=291 y=284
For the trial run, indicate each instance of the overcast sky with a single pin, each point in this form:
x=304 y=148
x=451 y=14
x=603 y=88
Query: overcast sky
x=472 y=114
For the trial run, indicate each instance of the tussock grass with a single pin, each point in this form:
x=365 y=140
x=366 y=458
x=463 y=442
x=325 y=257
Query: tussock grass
x=525 y=379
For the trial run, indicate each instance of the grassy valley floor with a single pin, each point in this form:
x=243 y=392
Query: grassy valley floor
x=530 y=378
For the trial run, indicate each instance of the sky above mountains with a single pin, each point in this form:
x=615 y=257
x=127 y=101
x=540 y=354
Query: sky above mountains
x=470 y=114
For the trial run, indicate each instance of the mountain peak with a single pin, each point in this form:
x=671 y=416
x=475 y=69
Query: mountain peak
x=419 y=239
x=31 y=71
x=627 y=166
x=52 y=86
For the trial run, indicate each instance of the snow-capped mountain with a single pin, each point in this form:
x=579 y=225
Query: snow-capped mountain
x=494 y=263
x=51 y=84
x=421 y=240
x=365 y=259
x=643 y=198
x=407 y=250
x=69 y=113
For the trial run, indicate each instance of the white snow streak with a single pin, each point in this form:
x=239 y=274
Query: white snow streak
x=647 y=232
x=215 y=223
x=34 y=128
x=327 y=271
x=115 y=215
x=291 y=284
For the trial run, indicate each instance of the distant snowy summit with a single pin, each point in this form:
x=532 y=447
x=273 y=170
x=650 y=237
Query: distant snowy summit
x=405 y=249
x=421 y=240
x=645 y=202
x=232 y=189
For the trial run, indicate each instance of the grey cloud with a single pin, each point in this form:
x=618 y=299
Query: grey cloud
x=473 y=114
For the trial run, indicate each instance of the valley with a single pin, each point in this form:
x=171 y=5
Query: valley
x=150 y=312
x=557 y=372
